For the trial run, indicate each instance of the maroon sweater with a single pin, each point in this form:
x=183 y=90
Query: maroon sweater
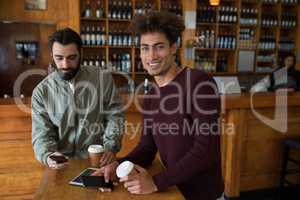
x=185 y=135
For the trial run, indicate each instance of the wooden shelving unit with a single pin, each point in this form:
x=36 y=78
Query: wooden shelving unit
x=209 y=58
x=214 y=57
x=106 y=52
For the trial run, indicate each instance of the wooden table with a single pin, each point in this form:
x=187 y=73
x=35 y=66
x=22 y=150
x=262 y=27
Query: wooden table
x=54 y=185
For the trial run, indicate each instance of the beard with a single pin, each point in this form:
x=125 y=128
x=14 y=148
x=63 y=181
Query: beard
x=66 y=74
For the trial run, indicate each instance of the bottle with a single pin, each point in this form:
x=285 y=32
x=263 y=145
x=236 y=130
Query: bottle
x=93 y=36
x=98 y=36
x=115 y=38
x=129 y=39
x=83 y=38
x=119 y=10
x=103 y=66
x=119 y=38
x=129 y=9
x=103 y=36
x=110 y=38
x=114 y=10
x=97 y=63
x=124 y=39
x=87 y=10
x=91 y=61
x=87 y=36
x=99 y=10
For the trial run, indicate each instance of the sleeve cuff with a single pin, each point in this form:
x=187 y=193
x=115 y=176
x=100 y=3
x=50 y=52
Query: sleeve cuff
x=44 y=158
x=161 y=181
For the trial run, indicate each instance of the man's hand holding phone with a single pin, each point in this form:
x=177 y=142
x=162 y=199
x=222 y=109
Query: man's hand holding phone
x=57 y=160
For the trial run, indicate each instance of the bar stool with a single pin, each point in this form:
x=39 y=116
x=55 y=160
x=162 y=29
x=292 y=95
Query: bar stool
x=288 y=144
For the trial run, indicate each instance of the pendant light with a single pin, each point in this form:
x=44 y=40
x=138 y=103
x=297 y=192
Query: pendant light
x=214 y=2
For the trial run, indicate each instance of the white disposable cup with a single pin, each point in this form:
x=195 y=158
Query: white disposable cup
x=125 y=168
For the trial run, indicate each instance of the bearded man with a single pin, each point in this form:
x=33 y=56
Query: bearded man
x=74 y=107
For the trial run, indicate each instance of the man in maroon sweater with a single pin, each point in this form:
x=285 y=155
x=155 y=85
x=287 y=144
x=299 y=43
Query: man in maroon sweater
x=180 y=119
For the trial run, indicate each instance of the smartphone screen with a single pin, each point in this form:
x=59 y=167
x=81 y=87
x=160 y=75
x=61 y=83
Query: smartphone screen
x=78 y=181
x=96 y=181
x=58 y=158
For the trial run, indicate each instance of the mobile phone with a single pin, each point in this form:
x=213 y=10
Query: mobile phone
x=77 y=180
x=58 y=158
x=96 y=181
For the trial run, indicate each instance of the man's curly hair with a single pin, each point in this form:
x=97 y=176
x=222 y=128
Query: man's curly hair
x=154 y=21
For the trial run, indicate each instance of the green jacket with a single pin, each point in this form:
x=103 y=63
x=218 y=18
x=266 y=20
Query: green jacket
x=69 y=121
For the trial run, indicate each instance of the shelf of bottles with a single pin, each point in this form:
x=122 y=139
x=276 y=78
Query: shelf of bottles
x=171 y=6
x=205 y=38
x=266 y=51
x=107 y=40
x=120 y=61
x=267 y=27
x=228 y=15
x=120 y=10
x=247 y=39
x=270 y=2
x=249 y=22
x=206 y=15
x=95 y=59
x=93 y=35
x=289 y=2
x=249 y=16
x=216 y=35
x=226 y=41
x=267 y=42
x=222 y=63
x=269 y=20
x=205 y=61
x=92 y=10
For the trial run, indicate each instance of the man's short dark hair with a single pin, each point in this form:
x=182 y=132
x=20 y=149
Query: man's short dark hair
x=164 y=22
x=65 y=36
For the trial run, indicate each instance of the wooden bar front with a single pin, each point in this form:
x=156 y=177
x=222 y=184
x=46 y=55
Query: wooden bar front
x=251 y=150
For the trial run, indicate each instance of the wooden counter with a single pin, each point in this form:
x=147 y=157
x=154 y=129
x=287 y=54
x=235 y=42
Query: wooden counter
x=54 y=185
x=251 y=154
x=251 y=150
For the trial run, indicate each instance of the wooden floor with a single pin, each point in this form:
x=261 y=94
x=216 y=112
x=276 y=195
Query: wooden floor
x=20 y=173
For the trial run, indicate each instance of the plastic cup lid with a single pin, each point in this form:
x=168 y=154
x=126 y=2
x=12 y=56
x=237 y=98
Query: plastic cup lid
x=95 y=148
x=124 y=169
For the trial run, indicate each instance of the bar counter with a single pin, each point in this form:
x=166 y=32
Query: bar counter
x=251 y=150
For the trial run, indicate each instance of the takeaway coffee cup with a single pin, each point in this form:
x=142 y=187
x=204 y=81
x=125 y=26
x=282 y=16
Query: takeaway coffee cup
x=95 y=154
x=125 y=168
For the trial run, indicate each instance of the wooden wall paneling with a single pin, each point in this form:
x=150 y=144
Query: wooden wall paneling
x=45 y=31
x=74 y=14
x=11 y=67
x=63 y=13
